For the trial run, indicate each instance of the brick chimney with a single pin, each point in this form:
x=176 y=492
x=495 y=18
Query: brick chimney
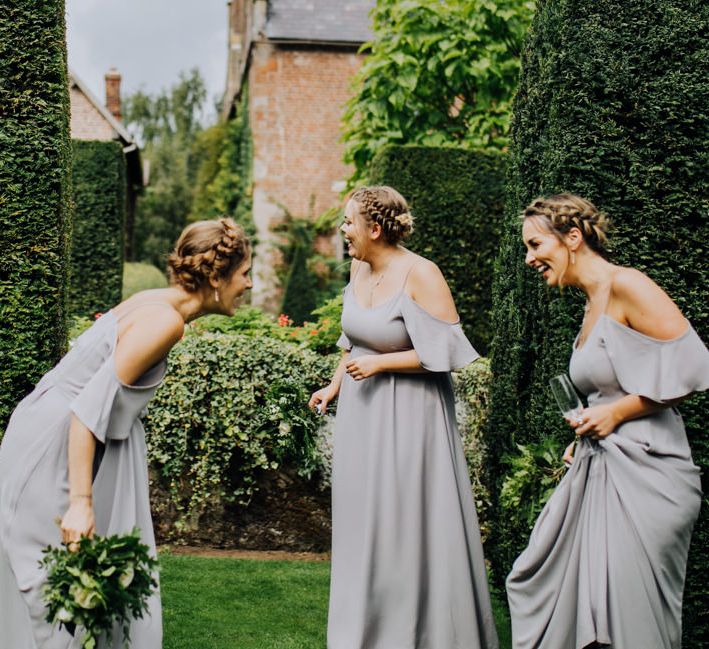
x=113 y=92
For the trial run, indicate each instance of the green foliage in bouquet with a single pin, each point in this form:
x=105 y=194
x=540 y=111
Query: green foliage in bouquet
x=106 y=581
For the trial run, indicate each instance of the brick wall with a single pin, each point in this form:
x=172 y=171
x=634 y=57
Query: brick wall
x=86 y=122
x=296 y=103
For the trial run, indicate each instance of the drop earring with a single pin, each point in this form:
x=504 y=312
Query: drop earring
x=573 y=257
x=216 y=295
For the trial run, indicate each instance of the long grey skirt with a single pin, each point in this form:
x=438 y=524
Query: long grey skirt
x=607 y=558
x=407 y=564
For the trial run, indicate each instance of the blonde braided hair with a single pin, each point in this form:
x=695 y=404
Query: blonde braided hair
x=561 y=212
x=207 y=250
x=387 y=207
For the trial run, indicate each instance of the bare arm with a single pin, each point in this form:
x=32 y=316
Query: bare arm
x=141 y=346
x=324 y=396
x=79 y=518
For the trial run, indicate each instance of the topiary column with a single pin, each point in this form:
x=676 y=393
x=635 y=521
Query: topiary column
x=457 y=198
x=35 y=161
x=96 y=268
x=612 y=105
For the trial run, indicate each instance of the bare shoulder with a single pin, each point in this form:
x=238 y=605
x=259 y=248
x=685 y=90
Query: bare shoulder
x=154 y=326
x=150 y=333
x=425 y=273
x=428 y=288
x=645 y=306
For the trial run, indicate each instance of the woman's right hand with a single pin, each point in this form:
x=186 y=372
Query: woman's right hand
x=78 y=521
x=322 y=398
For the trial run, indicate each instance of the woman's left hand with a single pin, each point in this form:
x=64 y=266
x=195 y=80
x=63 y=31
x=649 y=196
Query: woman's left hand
x=363 y=367
x=597 y=422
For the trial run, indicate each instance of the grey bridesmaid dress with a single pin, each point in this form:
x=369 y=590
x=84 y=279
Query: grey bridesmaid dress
x=34 y=487
x=407 y=563
x=607 y=558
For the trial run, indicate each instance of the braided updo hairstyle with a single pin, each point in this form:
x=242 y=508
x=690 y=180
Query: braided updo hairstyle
x=387 y=207
x=207 y=250
x=561 y=212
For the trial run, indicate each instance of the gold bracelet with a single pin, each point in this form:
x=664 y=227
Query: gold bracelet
x=72 y=496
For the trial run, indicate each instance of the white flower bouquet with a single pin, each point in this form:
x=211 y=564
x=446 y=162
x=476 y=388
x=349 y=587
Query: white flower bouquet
x=100 y=582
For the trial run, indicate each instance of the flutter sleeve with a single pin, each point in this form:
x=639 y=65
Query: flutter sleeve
x=343 y=342
x=107 y=407
x=660 y=370
x=441 y=346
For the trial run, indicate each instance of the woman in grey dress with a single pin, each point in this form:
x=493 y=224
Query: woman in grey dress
x=606 y=561
x=407 y=563
x=74 y=448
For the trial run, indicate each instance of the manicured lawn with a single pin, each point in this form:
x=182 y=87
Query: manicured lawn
x=211 y=603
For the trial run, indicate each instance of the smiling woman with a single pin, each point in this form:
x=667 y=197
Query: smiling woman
x=614 y=536
x=407 y=562
x=75 y=449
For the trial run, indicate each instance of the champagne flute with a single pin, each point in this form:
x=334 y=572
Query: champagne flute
x=567 y=399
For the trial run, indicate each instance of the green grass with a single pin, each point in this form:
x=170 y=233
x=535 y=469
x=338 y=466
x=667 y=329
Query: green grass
x=138 y=276
x=245 y=604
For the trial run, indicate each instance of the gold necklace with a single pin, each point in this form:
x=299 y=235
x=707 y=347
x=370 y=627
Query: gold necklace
x=373 y=285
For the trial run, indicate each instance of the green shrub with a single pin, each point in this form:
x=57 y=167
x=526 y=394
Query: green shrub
x=457 y=199
x=611 y=106
x=472 y=393
x=138 y=276
x=320 y=336
x=228 y=409
x=35 y=194
x=96 y=269
x=533 y=474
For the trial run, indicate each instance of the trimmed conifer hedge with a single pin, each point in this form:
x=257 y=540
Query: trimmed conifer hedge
x=457 y=199
x=96 y=269
x=612 y=105
x=34 y=194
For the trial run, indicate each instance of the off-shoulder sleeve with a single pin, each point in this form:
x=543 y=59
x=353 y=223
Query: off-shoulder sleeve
x=107 y=407
x=441 y=346
x=344 y=342
x=660 y=370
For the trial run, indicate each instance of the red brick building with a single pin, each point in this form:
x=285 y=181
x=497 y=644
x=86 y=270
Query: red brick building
x=298 y=58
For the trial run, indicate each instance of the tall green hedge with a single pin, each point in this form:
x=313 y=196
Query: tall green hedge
x=612 y=105
x=35 y=161
x=457 y=199
x=96 y=268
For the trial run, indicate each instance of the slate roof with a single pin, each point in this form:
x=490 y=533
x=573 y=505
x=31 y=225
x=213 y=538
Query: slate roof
x=331 y=21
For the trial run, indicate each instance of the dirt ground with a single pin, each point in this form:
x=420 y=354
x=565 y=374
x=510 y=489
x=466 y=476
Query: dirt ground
x=260 y=555
x=286 y=515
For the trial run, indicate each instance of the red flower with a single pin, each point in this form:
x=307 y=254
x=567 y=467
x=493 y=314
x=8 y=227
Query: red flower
x=97 y=315
x=284 y=320
x=314 y=332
